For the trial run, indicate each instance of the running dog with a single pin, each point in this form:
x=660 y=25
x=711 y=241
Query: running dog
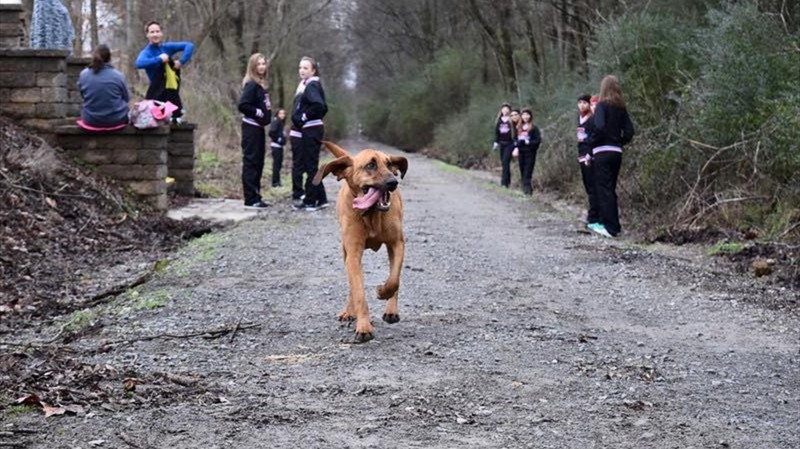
x=370 y=212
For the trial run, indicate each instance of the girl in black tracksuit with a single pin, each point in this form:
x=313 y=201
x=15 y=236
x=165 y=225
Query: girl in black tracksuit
x=528 y=139
x=254 y=104
x=585 y=126
x=613 y=130
x=278 y=139
x=504 y=139
x=309 y=109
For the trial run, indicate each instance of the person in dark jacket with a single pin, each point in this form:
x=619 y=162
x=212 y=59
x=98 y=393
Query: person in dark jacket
x=586 y=104
x=528 y=139
x=278 y=140
x=309 y=109
x=255 y=106
x=613 y=130
x=104 y=92
x=504 y=136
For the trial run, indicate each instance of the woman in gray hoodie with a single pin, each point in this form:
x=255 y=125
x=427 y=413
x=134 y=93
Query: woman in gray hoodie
x=104 y=92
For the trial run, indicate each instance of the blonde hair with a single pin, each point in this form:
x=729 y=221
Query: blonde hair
x=252 y=73
x=611 y=92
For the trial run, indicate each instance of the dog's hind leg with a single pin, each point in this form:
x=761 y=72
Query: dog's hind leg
x=391 y=314
x=390 y=288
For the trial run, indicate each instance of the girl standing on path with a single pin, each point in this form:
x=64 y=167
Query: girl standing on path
x=278 y=139
x=586 y=105
x=613 y=130
x=504 y=141
x=528 y=140
x=255 y=106
x=309 y=109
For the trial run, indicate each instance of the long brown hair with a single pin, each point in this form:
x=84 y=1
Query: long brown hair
x=252 y=73
x=611 y=92
x=522 y=120
x=100 y=57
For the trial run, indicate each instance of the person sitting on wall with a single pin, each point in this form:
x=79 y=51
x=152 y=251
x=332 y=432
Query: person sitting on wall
x=104 y=92
x=163 y=71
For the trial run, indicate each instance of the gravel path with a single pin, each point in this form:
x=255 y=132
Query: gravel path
x=516 y=331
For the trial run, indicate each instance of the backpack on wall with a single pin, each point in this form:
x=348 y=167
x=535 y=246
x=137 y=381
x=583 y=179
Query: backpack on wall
x=148 y=114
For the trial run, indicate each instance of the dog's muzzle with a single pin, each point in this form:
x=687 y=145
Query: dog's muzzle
x=379 y=198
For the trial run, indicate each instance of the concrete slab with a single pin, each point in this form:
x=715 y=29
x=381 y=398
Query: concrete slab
x=213 y=209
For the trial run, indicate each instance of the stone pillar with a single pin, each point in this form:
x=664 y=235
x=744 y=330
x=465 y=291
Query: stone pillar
x=74 y=101
x=12 y=25
x=180 y=159
x=137 y=159
x=33 y=87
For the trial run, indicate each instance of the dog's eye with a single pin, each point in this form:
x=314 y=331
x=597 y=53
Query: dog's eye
x=371 y=166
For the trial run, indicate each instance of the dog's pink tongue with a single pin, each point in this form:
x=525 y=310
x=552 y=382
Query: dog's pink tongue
x=365 y=202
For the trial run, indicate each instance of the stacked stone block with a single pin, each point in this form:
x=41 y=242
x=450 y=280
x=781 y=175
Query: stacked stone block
x=38 y=88
x=12 y=31
x=74 y=101
x=136 y=158
x=180 y=158
x=33 y=86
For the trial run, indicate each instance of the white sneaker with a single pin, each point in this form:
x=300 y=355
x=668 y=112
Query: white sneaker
x=600 y=229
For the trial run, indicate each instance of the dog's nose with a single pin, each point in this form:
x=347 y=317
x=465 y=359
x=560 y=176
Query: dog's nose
x=391 y=183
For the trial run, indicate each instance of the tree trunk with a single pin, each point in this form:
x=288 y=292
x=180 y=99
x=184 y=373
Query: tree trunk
x=93 y=23
x=501 y=43
x=132 y=35
x=75 y=8
x=538 y=65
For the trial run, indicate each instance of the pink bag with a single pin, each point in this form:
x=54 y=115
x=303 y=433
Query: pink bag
x=148 y=114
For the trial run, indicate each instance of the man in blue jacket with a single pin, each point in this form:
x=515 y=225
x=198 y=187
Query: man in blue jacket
x=163 y=72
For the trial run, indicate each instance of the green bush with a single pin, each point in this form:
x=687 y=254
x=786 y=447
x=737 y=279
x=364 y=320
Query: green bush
x=335 y=122
x=654 y=56
x=406 y=113
x=750 y=65
x=466 y=138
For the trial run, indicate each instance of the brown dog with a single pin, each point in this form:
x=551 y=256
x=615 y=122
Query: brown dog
x=370 y=212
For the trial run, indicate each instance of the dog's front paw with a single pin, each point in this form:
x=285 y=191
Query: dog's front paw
x=344 y=315
x=364 y=332
x=391 y=318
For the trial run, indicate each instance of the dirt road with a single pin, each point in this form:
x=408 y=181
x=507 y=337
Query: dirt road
x=516 y=331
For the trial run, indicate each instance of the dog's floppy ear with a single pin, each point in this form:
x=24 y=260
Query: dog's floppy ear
x=399 y=163
x=336 y=150
x=337 y=167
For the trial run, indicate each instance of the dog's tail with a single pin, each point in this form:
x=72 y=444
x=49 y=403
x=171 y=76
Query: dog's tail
x=336 y=150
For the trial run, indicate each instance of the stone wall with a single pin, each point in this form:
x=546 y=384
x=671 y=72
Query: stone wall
x=12 y=26
x=180 y=158
x=33 y=87
x=38 y=89
x=74 y=101
x=136 y=158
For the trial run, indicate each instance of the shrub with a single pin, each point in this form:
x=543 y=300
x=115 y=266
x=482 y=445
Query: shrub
x=653 y=54
x=406 y=114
